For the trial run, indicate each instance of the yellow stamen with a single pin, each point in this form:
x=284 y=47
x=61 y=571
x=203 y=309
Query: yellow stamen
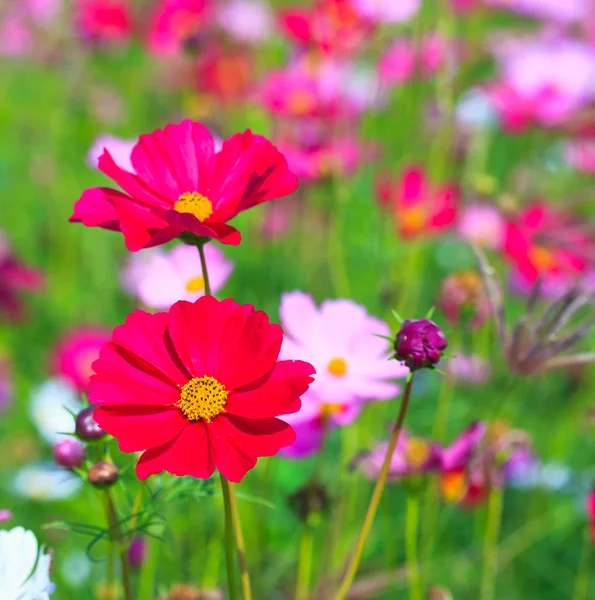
x=337 y=367
x=203 y=398
x=542 y=258
x=301 y=102
x=417 y=452
x=196 y=284
x=195 y=204
x=453 y=485
x=413 y=218
x=329 y=410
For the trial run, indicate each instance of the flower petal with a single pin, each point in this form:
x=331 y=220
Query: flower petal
x=96 y=208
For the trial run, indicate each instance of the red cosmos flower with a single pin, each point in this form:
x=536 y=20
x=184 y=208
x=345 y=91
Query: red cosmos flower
x=198 y=389
x=419 y=208
x=544 y=241
x=182 y=185
x=104 y=21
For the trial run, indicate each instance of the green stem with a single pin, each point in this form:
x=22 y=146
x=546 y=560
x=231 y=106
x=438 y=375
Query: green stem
x=203 y=264
x=240 y=545
x=305 y=563
x=146 y=579
x=231 y=580
x=490 y=546
x=116 y=532
x=581 y=583
x=411 y=532
x=376 y=495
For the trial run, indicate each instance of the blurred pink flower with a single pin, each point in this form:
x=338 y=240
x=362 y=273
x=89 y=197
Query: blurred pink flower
x=482 y=224
x=387 y=11
x=104 y=21
x=471 y=369
x=119 y=149
x=460 y=452
x=398 y=62
x=543 y=82
x=14 y=278
x=5 y=384
x=340 y=339
x=580 y=154
x=563 y=11
x=159 y=278
x=5 y=515
x=463 y=6
x=176 y=21
x=249 y=21
x=76 y=351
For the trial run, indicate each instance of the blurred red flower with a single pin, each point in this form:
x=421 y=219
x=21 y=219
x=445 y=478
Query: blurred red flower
x=182 y=185
x=544 y=241
x=104 y=21
x=591 y=512
x=419 y=207
x=198 y=388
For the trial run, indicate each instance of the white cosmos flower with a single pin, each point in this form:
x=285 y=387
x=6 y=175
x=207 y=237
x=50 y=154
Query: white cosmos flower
x=45 y=482
x=24 y=567
x=48 y=409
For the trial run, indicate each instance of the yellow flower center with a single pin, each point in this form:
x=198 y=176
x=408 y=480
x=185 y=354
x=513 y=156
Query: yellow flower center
x=301 y=102
x=203 y=398
x=328 y=410
x=195 y=204
x=196 y=284
x=337 y=367
x=453 y=485
x=542 y=258
x=413 y=218
x=417 y=452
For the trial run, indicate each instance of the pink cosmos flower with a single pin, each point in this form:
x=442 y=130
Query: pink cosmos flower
x=482 y=224
x=5 y=515
x=580 y=155
x=104 y=21
x=342 y=341
x=460 y=452
x=162 y=277
x=561 y=11
x=119 y=149
x=176 y=21
x=181 y=185
x=397 y=64
x=543 y=82
x=249 y=21
x=387 y=11
x=470 y=369
x=76 y=351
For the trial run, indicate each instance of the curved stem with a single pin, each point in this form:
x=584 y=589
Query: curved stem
x=240 y=545
x=231 y=580
x=304 y=563
x=376 y=495
x=411 y=530
x=490 y=546
x=203 y=264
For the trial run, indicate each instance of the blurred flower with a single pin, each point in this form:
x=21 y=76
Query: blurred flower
x=161 y=278
x=543 y=82
x=464 y=6
x=568 y=11
x=463 y=299
x=482 y=224
x=590 y=505
x=119 y=149
x=419 y=208
x=5 y=384
x=226 y=73
x=75 y=568
x=196 y=403
x=412 y=456
x=24 y=567
x=460 y=452
x=69 y=453
x=164 y=201
x=174 y=22
x=387 y=11
x=534 y=344
x=104 y=21
x=87 y=427
x=249 y=21
x=419 y=344
x=5 y=515
x=51 y=406
x=76 y=351
x=45 y=483
x=470 y=369
x=580 y=155
x=137 y=551
x=439 y=593
x=550 y=244
x=475 y=111
x=341 y=340
x=14 y=278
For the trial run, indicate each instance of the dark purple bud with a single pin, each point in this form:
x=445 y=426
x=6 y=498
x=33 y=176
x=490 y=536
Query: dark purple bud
x=69 y=453
x=137 y=551
x=86 y=426
x=102 y=474
x=419 y=344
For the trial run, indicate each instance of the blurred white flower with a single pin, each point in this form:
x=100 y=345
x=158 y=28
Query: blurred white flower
x=24 y=567
x=248 y=21
x=75 y=568
x=45 y=482
x=50 y=403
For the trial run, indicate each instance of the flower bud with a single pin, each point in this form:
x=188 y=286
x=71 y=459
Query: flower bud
x=103 y=474
x=86 y=426
x=419 y=344
x=137 y=551
x=69 y=453
x=439 y=593
x=463 y=299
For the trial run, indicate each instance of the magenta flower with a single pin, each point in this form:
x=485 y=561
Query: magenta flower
x=460 y=452
x=420 y=344
x=119 y=149
x=159 y=278
x=5 y=515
